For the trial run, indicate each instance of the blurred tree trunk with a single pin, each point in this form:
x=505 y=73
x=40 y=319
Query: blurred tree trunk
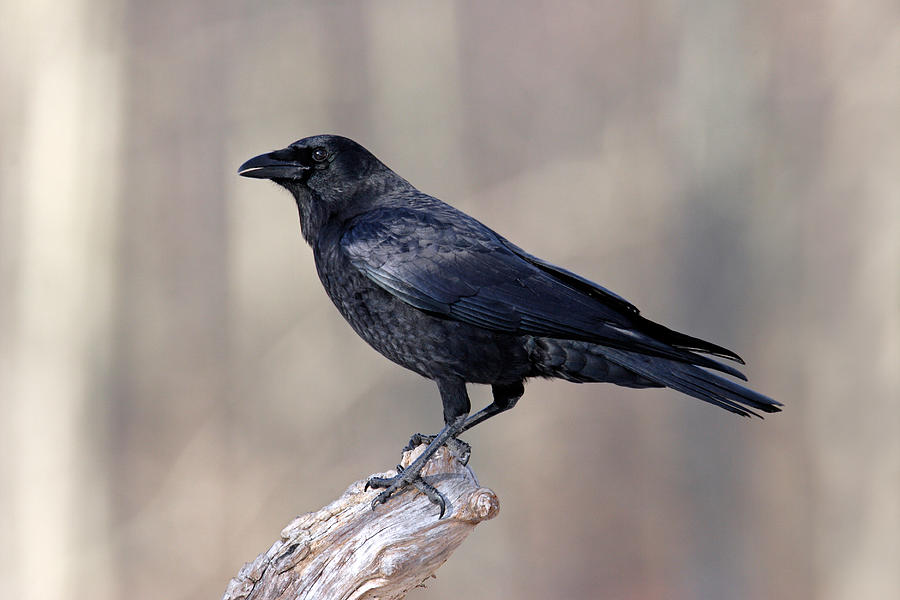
x=64 y=147
x=172 y=334
x=851 y=248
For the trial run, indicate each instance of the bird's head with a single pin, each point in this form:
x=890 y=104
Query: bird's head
x=323 y=172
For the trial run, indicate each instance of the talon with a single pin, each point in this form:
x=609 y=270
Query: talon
x=416 y=440
x=379 y=482
x=433 y=494
x=384 y=496
x=412 y=474
x=398 y=483
x=461 y=449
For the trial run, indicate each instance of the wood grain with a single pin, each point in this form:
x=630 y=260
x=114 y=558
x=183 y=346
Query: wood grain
x=347 y=550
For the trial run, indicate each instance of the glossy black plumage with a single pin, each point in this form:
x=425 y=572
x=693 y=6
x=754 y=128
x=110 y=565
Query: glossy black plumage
x=438 y=292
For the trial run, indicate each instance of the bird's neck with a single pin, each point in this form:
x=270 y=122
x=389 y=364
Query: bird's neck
x=313 y=214
x=317 y=213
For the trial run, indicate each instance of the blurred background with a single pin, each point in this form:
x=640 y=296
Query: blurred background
x=175 y=386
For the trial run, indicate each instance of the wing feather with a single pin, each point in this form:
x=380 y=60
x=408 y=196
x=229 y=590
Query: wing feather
x=446 y=263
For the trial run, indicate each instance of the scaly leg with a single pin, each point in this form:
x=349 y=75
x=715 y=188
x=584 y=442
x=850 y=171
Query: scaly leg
x=411 y=475
x=457 y=419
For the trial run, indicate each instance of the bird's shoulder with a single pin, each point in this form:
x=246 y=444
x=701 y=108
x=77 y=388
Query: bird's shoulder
x=421 y=227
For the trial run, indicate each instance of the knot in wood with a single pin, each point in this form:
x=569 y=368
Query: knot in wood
x=481 y=505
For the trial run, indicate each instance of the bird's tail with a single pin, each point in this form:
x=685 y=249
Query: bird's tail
x=584 y=362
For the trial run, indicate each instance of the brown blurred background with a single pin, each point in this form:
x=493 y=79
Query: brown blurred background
x=175 y=386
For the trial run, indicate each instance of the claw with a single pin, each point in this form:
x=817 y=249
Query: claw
x=461 y=449
x=395 y=484
x=392 y=485
x=381 y=498
x=416 y=440
x=380 y=482
x=411 y=475
x=433 y=494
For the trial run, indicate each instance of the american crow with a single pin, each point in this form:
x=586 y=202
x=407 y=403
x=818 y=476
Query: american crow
x=441 y=294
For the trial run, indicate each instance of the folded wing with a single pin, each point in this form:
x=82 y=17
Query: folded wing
x=446 y=263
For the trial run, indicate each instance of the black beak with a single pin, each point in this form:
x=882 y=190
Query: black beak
x=269 y=166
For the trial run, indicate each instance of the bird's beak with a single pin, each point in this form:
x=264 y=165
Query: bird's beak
x=269 y=166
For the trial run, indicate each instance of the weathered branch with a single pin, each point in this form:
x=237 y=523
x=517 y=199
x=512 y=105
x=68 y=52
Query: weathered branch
x=348 y=551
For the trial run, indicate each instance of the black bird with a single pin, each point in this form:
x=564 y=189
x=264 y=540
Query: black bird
x=438 y=292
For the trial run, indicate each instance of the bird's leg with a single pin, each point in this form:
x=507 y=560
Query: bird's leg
x=460 y=449
x=456 y=408
x=411 y=475
x=505 y=397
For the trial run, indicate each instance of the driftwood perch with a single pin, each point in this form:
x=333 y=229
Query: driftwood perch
x=348 y=551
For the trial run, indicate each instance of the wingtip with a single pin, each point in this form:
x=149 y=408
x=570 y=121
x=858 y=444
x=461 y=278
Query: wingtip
x=769 y=407
x=720 y=352
x=736 y=359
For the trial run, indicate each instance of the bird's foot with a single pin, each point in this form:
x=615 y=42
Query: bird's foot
x=411 y=475
x=403 y=479
x=460 y=449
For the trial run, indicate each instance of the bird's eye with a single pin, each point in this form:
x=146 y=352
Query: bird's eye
x=319 y=154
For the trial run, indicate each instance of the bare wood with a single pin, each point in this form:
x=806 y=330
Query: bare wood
x=348 y=551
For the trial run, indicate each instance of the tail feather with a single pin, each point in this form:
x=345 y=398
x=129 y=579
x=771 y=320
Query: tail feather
x=584 y=362
x=694 y=381
x=685 y=341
